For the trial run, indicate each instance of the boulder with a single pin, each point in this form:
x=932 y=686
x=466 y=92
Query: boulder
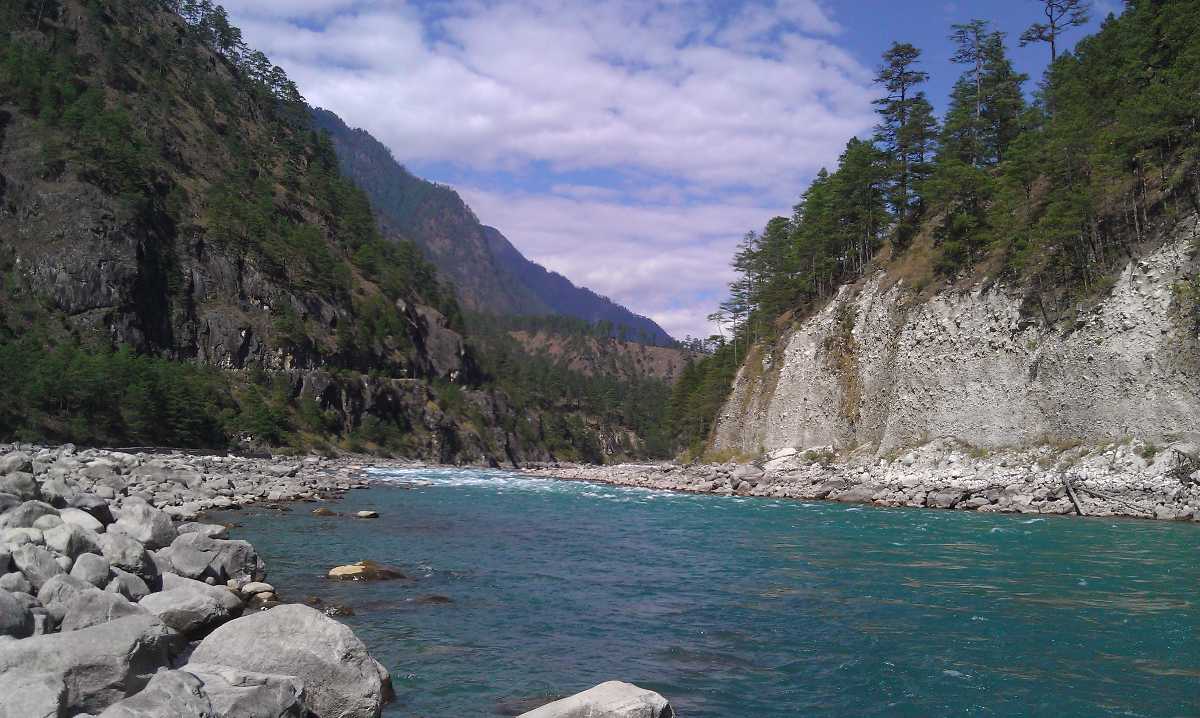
x=16 y=619
x=71 y=540
x=861 y=494
x=257 y=587
x=129 y=585
x=37 y=564
x=15 y=582
x=204 y=691
x=194 y=555
x=364 y=571
x=21 y=536
x=15 y=461
x=57 y=492
x=95 y=505
x=946 y=499
x=613 y=699
x=139 y=520
x=7 y=501
x=190 y=607
x=91 y=608
x=216 y=531
x=21 y=485
x=92 y=568
x=65 y=674
x=47 y=522
x=82 y=519
x=61 y=589
x=340 y=679
x=129 y=555
x=367 y=514
x=24 y=515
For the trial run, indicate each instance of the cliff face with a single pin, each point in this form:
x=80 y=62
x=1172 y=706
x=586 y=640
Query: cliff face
x=880 y=369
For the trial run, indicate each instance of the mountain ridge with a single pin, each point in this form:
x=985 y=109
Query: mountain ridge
x=491 y=274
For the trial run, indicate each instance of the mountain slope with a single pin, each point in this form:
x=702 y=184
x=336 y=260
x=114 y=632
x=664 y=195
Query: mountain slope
x=490 y=273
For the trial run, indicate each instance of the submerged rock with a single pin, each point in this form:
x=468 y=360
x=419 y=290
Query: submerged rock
x=364 y=571
x=340 y=679
x=613 y=699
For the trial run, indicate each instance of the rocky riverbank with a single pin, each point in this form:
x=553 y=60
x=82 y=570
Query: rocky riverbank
x=1127 y=479
x=115 y=602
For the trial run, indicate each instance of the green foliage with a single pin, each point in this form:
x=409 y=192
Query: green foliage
x=108 y=397
x=537 y=384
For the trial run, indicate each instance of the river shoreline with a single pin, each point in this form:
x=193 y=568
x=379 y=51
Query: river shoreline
x=1128 y=480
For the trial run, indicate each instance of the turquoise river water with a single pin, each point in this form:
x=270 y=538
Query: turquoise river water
x=749 y=607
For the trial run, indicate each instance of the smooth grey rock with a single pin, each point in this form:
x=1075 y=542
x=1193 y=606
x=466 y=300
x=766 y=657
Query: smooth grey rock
x=130 y=555
x=82 y=519
x=15 y=582
x=613 y=699
x=177 y=694
x=5 y=559
x=195 y=555
x=7 y=501
x=16 y=620
x=129 y=585
x=216 y=531
x=191 y=607
x=94 y=569
x=91 y=608
x=152 y=527
x=93 y=504
x=36 y=563
x=64 y=562
x=71 y=540
x=21 y=536
x=340 y=678
x=20 y=484
x=947 y=499
x=62 y=588
x=24 y=515
x=257 y=587
x=15 y=461
x=83 y=671
x=47 y=522
x=204 y=691
x=57 y=492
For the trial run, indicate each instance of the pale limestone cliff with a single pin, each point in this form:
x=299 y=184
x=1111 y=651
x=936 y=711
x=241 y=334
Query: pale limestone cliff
x=880 y=369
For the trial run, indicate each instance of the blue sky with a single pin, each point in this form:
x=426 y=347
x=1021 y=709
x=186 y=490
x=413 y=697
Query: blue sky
x=625 y=143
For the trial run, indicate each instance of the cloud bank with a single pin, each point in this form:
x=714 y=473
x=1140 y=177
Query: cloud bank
x=689 y=122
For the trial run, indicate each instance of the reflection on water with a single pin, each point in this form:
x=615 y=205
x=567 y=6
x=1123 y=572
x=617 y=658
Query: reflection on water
x=743 y=607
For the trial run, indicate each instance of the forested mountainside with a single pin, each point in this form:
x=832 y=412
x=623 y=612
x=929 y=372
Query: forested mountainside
x=490 y=273
x=1013 y=261
x=184 y=263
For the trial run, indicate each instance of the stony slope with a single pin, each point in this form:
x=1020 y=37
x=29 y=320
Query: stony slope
x=164 y=195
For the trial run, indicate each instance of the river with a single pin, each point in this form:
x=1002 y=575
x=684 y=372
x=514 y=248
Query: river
x=748 y=607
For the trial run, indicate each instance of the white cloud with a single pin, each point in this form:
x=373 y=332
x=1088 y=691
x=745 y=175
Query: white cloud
x=707 y=99
x=672 y=259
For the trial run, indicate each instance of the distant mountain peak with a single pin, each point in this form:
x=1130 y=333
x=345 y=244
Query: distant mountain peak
x=491 y=275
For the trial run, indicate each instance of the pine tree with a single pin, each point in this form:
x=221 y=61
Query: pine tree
x=905 y=119
x=1061 y=15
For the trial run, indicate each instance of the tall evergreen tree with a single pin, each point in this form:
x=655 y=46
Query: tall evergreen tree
x=905 y=125
x=1061 y=15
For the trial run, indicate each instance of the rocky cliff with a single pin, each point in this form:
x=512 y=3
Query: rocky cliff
x=882 y=367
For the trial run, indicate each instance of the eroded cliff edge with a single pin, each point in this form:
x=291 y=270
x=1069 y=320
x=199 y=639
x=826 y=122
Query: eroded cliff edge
x=882 y=367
